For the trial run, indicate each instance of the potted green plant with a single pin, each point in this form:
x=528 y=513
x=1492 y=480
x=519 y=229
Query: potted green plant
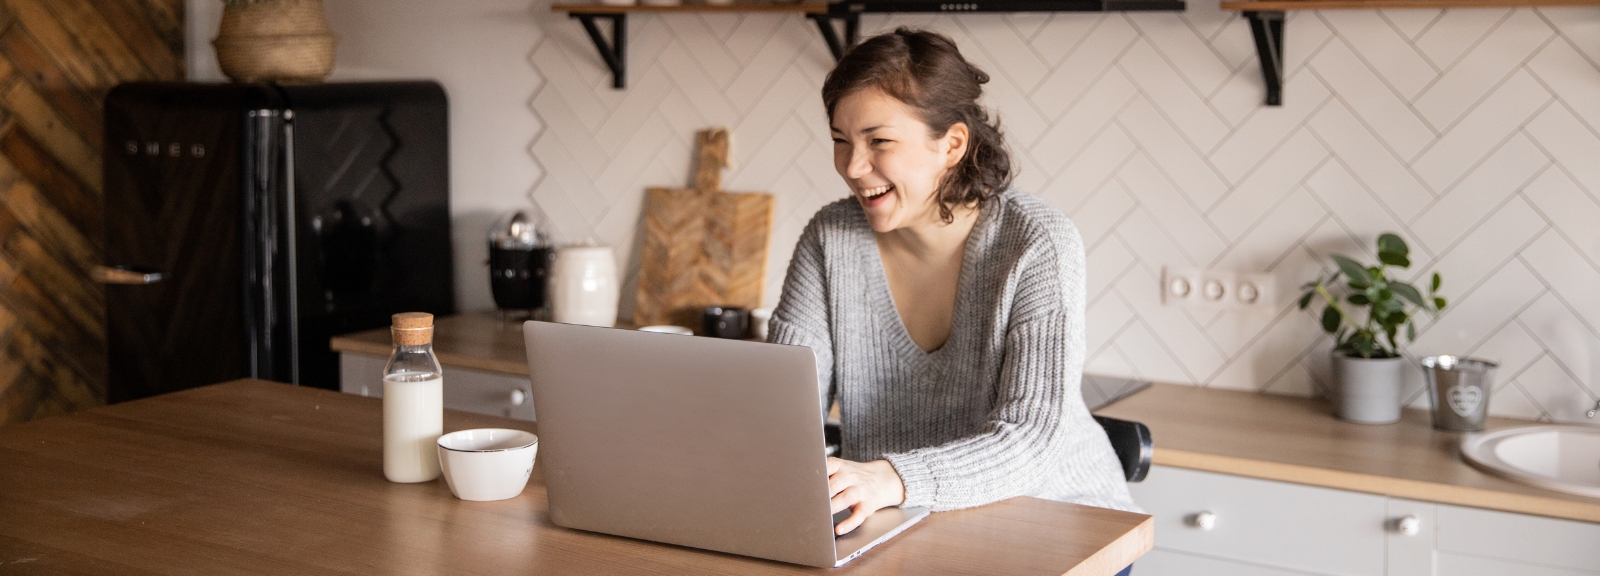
x=1366 y=352
x=275 y=41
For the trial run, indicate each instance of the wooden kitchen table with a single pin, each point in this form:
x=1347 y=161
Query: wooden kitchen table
x=253 y=477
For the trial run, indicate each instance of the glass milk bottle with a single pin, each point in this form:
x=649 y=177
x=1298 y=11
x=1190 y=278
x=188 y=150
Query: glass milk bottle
x=413 y=401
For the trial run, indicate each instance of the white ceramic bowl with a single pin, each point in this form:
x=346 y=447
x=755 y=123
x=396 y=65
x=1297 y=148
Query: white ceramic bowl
x=667 y=329
x=487 y=463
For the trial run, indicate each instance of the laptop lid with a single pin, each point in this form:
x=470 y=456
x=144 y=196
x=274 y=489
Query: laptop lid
x=700 y=442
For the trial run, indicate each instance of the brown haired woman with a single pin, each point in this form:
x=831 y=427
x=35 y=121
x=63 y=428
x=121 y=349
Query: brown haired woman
x=946 y=310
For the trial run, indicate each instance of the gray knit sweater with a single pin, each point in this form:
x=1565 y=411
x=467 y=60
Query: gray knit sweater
x=997 y=411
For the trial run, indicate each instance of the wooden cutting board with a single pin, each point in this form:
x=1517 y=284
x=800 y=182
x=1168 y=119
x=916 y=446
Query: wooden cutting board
x=702 y=246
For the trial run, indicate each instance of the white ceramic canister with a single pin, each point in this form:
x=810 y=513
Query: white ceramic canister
x=583 y=286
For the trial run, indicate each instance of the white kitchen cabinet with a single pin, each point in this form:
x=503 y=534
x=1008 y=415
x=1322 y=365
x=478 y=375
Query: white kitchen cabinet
x=1460 y=565
x=1313 y=530
x=466 y=389
x=1161 y=561
x=1269 y=528
x=1411 y=554
x=1531 y=541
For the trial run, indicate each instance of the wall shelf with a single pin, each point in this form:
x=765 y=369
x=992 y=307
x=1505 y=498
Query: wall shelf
x=829 y=17
x=1266 y=24
x=614 y=51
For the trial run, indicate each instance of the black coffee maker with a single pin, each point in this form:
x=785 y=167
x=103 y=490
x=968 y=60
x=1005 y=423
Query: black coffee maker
x=520 y=254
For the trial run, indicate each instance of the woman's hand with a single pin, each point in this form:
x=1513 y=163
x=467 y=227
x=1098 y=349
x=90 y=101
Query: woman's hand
x=863 y=487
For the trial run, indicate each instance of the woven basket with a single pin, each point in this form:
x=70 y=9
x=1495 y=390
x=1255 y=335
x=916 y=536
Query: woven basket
x=275 y=41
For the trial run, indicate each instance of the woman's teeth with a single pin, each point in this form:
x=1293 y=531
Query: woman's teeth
x=876 y=192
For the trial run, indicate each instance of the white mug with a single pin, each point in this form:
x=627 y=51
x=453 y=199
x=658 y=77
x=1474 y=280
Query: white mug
x=583 y=286
x=758 y=323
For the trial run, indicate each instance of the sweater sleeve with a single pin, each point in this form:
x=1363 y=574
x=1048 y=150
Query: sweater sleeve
x=801 y=318
x=1028 y=428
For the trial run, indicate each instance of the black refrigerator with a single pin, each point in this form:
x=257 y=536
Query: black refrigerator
x=246 y=224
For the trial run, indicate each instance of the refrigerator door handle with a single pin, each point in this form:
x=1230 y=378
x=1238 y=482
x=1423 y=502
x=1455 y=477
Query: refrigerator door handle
x=126 y=275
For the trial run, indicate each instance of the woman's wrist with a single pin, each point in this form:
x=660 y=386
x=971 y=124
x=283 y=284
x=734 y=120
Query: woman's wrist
x=894 y=487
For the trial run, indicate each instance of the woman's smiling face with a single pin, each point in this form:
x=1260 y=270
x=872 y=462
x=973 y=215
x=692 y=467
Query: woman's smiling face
x=893 y=167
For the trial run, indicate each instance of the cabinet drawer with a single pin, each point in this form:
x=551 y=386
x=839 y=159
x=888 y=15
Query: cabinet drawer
x=1316 y=530
x=1462 y=565
x=465 y=389
x=1160 y=562
x=1518 y=538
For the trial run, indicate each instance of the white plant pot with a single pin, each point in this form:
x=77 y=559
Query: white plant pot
x=1368 y=389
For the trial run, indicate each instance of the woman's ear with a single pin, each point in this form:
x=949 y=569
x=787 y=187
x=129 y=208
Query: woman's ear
x=955 y=143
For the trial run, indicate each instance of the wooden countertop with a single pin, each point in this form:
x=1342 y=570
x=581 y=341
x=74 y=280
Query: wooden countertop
x=1242 y=433
x=1298 y=440
x=260 y=477
x=477 y=340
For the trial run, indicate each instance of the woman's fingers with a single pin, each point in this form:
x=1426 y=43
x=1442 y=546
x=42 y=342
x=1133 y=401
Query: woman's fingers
x=845 y=499
x=863 y=488
x=842 y=474
x=857 y=515
x=851 y=499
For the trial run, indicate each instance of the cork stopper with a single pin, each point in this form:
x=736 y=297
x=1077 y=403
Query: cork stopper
x=412 y=328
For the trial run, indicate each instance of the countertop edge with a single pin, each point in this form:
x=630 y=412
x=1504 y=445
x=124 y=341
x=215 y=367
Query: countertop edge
x=1122 y=552
x=1381 y=485
x=346 y=345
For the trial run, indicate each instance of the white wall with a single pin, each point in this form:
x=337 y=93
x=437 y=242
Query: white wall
x=477 y=49
x=1473 y=133
x=1470 y=132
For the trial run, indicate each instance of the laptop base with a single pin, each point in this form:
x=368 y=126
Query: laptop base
x=880 y=526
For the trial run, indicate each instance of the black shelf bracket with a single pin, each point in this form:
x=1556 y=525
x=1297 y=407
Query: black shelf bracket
x=614 y=52
x=836 y=44
x=1267 y=28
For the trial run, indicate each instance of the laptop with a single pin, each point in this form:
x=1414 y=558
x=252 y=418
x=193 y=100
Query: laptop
x=700 y=442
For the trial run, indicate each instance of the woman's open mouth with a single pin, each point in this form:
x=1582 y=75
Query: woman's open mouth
x=873 y=196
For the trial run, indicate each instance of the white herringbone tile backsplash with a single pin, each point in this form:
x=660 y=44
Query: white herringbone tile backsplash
x=1472 y=133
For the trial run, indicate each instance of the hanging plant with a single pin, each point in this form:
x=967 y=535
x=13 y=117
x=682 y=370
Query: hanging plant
x=1389 y=303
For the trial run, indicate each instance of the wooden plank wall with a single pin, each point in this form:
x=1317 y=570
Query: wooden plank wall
x=58 y=58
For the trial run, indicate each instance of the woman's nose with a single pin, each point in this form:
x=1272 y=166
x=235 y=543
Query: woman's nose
x=858 y=166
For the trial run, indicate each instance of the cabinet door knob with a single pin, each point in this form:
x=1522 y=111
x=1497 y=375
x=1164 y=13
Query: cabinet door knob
x=1408 y=525
x=518 y=397
x=1204 y=520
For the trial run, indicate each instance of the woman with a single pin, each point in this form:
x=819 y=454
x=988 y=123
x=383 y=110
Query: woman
x=946 y=310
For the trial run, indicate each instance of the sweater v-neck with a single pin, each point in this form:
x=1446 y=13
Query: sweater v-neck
x=889 y=312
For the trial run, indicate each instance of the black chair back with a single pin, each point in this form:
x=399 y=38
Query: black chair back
x=1132 y=443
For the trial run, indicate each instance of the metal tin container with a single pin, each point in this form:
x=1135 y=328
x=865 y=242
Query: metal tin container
x=1458 y=390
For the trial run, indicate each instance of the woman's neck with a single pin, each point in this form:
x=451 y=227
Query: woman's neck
x=932 y=239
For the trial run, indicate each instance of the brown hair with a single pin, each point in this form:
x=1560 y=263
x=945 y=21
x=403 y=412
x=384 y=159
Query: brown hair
x=926 y=71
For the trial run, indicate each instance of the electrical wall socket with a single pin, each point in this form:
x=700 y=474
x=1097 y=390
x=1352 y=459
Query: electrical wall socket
x=1217 y=289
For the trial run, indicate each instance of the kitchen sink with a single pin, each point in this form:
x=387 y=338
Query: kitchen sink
x=1561 y=458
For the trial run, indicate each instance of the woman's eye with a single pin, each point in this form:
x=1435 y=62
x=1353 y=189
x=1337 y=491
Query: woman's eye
x=877 y=141
x=839 y=141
